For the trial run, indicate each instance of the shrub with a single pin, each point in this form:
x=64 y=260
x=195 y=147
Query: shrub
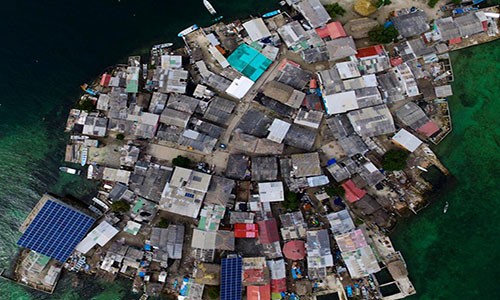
x=212 y=292
x=334 y=10
x=291 y=201
x=120 y=136
x=86 y=105
x=382 y=34
x=395 y=160
x=181 y=161
x=432 y=3
x=163 y=223
x=335 y=190
x=120 y=206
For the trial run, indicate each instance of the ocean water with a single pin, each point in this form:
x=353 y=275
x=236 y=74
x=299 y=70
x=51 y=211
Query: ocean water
x=48 y=49
x=456 y=255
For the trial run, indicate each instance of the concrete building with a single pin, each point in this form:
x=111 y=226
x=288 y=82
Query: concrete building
x=271 y=191
x=372 y=121
x=256 y=29
x=185 y=192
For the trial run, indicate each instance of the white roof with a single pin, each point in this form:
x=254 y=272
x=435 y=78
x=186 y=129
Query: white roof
x=361 y=262
x=213 y=39
x=101 y=235
x=218 y=56
x=348 y=69
x=277 y=269
x=407 y=140
x=171 y=61
x=317 y=180
x=271 y=191
x=256 y=29
x=239 y=87
x=341 y=102
x=278 y=130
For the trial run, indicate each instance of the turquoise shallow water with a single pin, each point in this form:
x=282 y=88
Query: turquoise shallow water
x=48 y=49
x=455 y=255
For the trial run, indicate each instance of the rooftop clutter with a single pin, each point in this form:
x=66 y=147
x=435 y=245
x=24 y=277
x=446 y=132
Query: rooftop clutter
x=270 y=164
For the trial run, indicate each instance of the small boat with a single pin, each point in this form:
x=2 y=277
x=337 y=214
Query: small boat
x=83 y=160
x=271 y=14
x=446 y=205
x=162 y=46
x=209 y=7
x=144 y=71
x=69 y=170
x=187 y=30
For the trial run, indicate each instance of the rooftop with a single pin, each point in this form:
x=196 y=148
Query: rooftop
x=249 y=61
x=56 y=230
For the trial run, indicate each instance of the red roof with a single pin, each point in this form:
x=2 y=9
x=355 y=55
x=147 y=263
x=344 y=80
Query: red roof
x=370 y=51
x=253 y=275
x=242 y=230
x=485 y=25
x=295 y=250
x=396 y=61
x=352 y=192
x=105 y=79
x=429 y=128
x=278 y=285
x=333 y=30
x=313 y=83
x=262 y=292
x=455 y=41
x=268 y=231
x=285 y=62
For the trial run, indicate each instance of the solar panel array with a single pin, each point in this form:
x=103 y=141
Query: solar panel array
x=56 y=230
x=230 y=288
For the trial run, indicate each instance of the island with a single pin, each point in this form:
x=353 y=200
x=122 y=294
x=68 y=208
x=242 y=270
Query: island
x=266 y=158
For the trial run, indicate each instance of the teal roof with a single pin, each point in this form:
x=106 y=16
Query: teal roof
x=249 y=61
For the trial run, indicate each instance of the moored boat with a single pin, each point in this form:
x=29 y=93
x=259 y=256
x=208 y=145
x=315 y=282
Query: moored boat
x=209 y=7
x=69 y=170
x=271 y=13
x=445 y=209
x=83 y=160
x=187 y=30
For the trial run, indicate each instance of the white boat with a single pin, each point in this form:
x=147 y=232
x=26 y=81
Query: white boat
x=445 y=209
x=162 y=46
x=209 y=6
x=83 y=160
x=187 y=30
x=69 y=170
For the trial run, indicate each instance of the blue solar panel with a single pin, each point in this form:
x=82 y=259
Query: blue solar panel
x=56 y=230
x=230 y=288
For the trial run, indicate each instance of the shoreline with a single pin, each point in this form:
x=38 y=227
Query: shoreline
x=96 y=88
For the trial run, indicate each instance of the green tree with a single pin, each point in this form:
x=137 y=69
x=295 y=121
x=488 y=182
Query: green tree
x=381 y=3
x=120 y=206
x=382 y=34
x=181 y=161
x=334 y=10
x=335 y=190
x=432 y=3
x=86 y=105
x=212 y=292
x=163 y=223
x=291 y=201
x=395 y=160
x=120 y=136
